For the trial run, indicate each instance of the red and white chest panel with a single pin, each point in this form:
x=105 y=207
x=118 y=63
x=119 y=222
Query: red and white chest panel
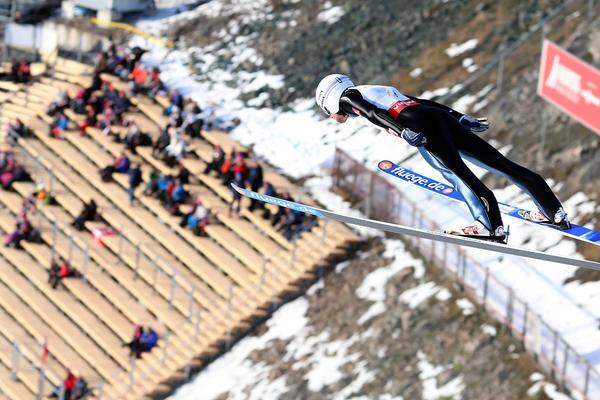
x=385 y=97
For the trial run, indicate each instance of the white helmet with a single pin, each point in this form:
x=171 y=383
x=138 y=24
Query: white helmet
x=330 y=91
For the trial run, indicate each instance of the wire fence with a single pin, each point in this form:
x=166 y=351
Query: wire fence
x=384 y=201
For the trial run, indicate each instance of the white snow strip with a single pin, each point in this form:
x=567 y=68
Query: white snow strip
x=375 y=309
x=331 y=15
x=466 y=306
x=429 y=372
x=458 y=49
x=418 y=294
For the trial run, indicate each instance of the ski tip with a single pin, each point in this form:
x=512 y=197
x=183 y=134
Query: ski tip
x=385 y=165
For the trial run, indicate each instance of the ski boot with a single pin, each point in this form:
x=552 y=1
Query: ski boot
x=477 y=231
x=561 y=220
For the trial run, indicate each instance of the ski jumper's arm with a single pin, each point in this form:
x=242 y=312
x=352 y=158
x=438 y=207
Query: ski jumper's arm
x=431 y=103
x=352 y=103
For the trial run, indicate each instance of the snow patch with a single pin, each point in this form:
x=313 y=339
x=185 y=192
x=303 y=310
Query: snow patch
x=458 y=49
x=375 y=309
x=489 y=330
x=330 y=14
x=415 y=73
x=418 y=294
x=428 y=373
x=466 y=306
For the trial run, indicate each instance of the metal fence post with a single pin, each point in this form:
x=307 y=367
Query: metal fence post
x=485 y=287
x=172 y=291
x=167 y=339
x=198 y=321
x=71 y=244
x=525 y=318
x=554 y=347
x=509 y=307
x=86 y=263
x=16 y=359
x=565 y=362
x=41 y=382
x=137 y=259
x=131 y=372
x=191 y=301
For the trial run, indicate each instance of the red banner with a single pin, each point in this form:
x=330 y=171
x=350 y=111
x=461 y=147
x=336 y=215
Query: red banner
x=570 y=84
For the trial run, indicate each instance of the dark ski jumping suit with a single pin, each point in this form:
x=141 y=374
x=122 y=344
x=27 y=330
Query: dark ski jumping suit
x=443 y=141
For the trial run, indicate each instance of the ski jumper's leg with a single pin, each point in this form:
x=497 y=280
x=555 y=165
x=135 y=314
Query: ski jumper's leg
x=442 y=154
x=481 y=153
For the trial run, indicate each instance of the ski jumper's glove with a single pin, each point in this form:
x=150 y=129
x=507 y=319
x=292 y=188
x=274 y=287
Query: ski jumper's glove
x=474 y=124
x=414 y=138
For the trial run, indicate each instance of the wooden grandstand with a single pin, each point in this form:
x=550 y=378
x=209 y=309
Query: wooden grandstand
x=199 y=292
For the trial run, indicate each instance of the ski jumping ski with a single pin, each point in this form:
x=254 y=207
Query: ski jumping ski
x=421 y=233
x=576 y=232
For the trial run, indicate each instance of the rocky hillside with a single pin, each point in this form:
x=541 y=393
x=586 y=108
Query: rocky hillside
x=376 y=328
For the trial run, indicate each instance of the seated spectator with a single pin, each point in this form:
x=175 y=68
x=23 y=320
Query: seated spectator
x=89 y=121
x=134 y=137
x=152 y=185
x=80 y=100
x=41 y=196
x=236 y=201
x=59 y=270
x=218 y=158
x=59 y=125
x=291 y=226
x=15 y=130
x=88 y=213
x=196 y=219
x=61 y=103
x=255 y=179
x=21 y=71
x=161 y=142
x=183 y=175
x=135 y=179
x=175 y=151
x=72 y=388
x=281 y=211
x=178 y=194
x=226 y=172
x=138 y=79
x=175 y=100
x=120 y=165
x=23 y=231
x=12 y=172
x=121 y=104
x=156 y=85
x=268 y=190
x=144 y=340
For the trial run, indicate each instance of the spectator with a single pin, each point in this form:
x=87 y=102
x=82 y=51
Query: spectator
x=144 y=340
x=292 y=224
x=152 y=185
x=183 y=175
x=135 y=179
x=268 y=190
x=134 y=137
x=175 y=151
x=218 y=158
x=11 y=172
x=236 y=197
x=255 y=179
x=23 y=231
x=281 y=211
x=134 y=343
x=197 y=219
x=161 y=142
x=88 y=213
x=122 y=104
x=59 y=125
x=41 y=196
x=226 y=172
x=61 y=103
x=120 y=165
x=175 y=100
x=59 y=270
x=15 y=130
x=21 y=71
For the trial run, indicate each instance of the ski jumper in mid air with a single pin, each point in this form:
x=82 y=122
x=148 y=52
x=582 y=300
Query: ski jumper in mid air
x=444 y=137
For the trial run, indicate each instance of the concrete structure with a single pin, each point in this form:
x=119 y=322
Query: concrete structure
x=9 y=9
x=106 y=9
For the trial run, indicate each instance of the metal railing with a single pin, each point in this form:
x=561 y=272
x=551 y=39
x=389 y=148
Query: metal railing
x=384 y=201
